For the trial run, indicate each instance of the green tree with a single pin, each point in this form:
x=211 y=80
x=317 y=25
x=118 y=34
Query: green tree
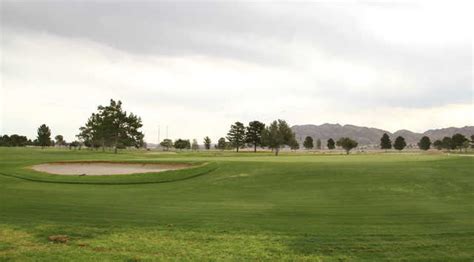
x=253 y=134
x=236 y=135
x=60 y=140
x=347 y=143
x=207 y=143
x=93 y=133
x=331 y=144
x=112 y=127
x=166 y=144
x=465 y=145
x=447 y=143
x=424 y=143
x=74 y=144
x=458 y=141
x=195 y=145
x=385 y=142
x=44 y=136
x=294 y=144
x=17 y=140
x=438 y=144
x=308 y=142
x=182 y=144
x=318 y=144
x=5 y=141
x=228 y=146
x=221 y=143
x=399 y=143
x=278 y=134
x=13 y=140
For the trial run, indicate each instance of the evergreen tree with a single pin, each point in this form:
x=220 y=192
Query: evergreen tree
x=424 y=143
x=195 y=145
x=207 y=143
x=318 y=144
x=331 y=144
x=236 y=135
x=221 y=143
x=278 y=134
x=253 y=135
x=308 y=142
x=447 y=143
x=112 y=127
x=294 y=144
x=438 y=144
x=399 y=143
x=458 y=141
x=385 y=142
x=44 y=136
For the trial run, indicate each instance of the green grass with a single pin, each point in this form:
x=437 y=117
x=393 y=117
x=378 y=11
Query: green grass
x=304 y=207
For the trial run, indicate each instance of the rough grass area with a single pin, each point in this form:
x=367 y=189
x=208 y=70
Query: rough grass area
x=303 y=207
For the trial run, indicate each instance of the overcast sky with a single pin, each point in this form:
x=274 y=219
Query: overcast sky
x=196 y=67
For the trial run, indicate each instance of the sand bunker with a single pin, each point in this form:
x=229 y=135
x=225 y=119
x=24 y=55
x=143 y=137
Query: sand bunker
x=101 y=168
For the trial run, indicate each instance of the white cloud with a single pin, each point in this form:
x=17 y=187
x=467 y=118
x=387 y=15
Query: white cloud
x=421 y=23
x=61 y=81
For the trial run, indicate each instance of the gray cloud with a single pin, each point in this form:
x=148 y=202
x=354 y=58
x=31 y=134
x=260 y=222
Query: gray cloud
x=424 y=68
x=258 y=33
x=189 y=28
x=226 y=29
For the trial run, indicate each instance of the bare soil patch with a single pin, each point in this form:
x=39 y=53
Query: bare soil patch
x=104 y=168
x=58 y=238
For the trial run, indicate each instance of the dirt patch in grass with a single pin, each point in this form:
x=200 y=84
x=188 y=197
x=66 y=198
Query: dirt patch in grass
x=105 y=168
x=58 y=238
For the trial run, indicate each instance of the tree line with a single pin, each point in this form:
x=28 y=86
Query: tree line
x=345 y=142
x=180 y=144
x=15 y=140
x=274 y=136
x=109 y=127
x=43 y=139
x=112 y=127
x=457 y=141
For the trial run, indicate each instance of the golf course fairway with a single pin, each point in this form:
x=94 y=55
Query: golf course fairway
x=239 y=207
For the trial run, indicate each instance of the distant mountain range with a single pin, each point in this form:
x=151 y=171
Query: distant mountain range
x=371 y=136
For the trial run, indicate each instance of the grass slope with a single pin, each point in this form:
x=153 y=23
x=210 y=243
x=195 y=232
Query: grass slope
x=242 y=207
